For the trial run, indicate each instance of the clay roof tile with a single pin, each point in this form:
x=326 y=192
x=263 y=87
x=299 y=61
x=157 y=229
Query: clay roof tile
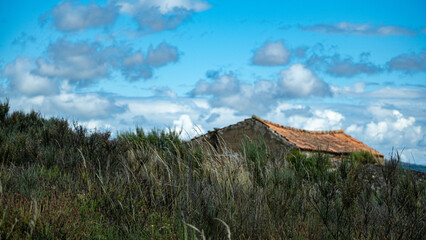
x=333 y=141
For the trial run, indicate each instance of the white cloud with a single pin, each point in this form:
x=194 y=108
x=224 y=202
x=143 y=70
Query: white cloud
x=299 y=82
x=271 y=54
x=222 y=85
x=150 y=15
x=413 y=155
x=164 y=6
x=395 y=93
x=409 y=63
x=74 y=61
x=159 y=15
x=300 y=116
x=340 y=66
x=85 y=106
x=348 y=68
x=356 y=89
x=258 y=98
x=320 y=120
x=359 y=29
x=78 y=106
x=163 y=92
x=133 y=60
x=24 y=81
x=390 y=128
x=162 y=55
x=82 y=63
x=186 y=127
x=68 y=16
x=222 y=117
x=96 y=125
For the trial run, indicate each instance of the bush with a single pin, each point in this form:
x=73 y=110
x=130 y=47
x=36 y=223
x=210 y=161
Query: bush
x=363 y=157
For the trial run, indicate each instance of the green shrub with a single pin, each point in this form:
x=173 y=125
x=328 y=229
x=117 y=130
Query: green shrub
x=363 y=157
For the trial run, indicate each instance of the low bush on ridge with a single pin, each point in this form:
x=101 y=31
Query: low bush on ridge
x=58 y=181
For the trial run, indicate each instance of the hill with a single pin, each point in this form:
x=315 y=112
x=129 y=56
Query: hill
x=414 y=167
x=60 y=181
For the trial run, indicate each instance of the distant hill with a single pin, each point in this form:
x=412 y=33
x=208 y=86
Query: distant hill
x=415 y=167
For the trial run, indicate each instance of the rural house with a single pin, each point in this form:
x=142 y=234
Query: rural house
x=280 y=139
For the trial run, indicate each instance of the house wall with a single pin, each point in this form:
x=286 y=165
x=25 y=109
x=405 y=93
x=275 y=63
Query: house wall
x=230 y=139
x=335 y=159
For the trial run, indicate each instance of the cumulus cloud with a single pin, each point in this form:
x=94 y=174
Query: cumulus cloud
x=135 y=66
x=163 y=6
x=154 y=16
x=186 y=127
x=389 y=128
x=82 y=62
x=409 y=63
x=300 y=82
x=385 y=94
x=300 y=52
x=304 y=117
x=162 y=55
x=179 y=113
x=337 y=65
x=75 y=61
x=150 y=15
x=23 y=80
x=227 y=91
x=271 y=54
x=320 y=120
x=359 y=29
x=397 y=93
x=348 y=68
x=85 y=106
x=69 y=64
x=163 y=92
x=220 y=86
x=69 y=16
x=82 y=106
x=356 y=89
x=133 y=60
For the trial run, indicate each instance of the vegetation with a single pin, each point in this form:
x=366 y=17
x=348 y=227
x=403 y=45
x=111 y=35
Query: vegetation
x=62 y=182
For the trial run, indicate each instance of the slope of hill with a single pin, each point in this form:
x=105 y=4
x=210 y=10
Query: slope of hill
x=414 y=167
x=62 y=182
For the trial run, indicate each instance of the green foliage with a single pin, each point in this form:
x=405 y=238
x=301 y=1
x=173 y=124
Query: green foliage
x=313 y=167
x=257 y=156
x=363 y=157
x=60 y=181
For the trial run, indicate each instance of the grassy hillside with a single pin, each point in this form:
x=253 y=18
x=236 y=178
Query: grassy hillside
x=64 y=182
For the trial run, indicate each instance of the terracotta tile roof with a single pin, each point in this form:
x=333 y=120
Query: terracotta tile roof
x=335 y=141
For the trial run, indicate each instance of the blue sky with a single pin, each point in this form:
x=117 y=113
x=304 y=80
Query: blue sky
x=195 y=65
